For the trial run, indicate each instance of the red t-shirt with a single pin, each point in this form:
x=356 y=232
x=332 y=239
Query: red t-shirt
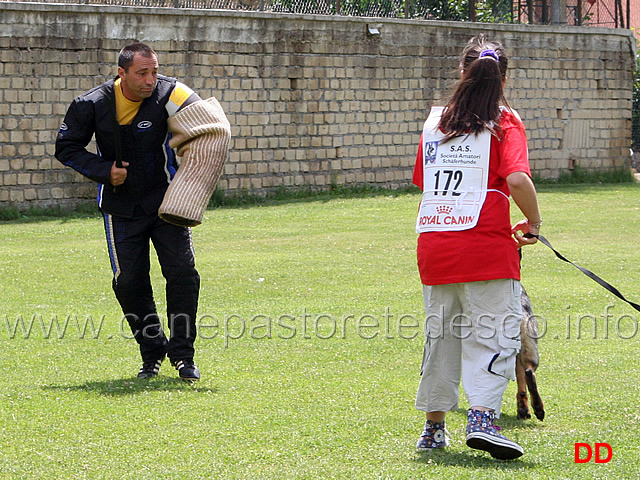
x=487 y=251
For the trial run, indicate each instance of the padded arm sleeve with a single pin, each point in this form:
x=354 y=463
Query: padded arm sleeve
x=201 y=134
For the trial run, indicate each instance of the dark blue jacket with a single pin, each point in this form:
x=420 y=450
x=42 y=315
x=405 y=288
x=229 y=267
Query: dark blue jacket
x=144 y=144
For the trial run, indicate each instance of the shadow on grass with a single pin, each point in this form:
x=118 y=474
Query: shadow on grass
x=508 y=422
x=473 y=459
x=134 y=386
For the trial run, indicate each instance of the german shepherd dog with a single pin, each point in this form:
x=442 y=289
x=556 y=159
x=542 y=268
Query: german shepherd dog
x=527 y=363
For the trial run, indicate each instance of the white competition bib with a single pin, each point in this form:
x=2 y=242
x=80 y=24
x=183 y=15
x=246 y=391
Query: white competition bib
x=456 y=176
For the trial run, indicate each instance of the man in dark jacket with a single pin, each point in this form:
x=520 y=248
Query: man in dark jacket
x=133 y=168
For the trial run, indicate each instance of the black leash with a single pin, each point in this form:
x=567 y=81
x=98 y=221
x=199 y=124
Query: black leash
x=588 y=273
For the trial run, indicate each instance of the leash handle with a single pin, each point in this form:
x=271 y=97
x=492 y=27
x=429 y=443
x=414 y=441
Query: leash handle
x=587 y=272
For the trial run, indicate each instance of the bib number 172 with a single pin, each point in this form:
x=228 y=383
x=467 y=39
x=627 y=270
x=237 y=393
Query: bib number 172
x=447 y=181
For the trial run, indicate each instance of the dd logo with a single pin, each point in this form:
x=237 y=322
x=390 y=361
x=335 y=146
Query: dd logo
x=586 y=449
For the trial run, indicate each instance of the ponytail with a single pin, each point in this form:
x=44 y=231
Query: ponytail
x=475 y=104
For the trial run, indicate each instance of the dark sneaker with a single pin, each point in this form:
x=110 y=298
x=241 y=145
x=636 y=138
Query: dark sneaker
x=187 y=370
x=150 y=369
x=434 y=436
x=482 y=434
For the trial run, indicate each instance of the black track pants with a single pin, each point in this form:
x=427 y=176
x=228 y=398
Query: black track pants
x=128 y=242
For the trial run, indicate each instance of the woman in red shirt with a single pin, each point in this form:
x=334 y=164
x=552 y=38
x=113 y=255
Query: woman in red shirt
x=472 y=156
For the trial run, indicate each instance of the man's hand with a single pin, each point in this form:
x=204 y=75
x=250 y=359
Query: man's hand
x=118 y=175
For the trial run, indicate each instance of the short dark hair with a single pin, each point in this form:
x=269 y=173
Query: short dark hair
x=125 y=59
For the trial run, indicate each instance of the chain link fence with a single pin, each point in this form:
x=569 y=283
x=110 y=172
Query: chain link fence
x=578 y=12
x=495 y=11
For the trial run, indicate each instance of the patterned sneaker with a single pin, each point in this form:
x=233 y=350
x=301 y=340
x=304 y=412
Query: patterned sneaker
x=435 y=435
x=187 y=370
x=150 y=369
x=482 y=434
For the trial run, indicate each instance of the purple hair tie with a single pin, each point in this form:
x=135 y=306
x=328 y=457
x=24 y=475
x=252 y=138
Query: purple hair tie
x=490 y=52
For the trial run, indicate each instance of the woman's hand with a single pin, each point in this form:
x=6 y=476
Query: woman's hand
x=524 y=226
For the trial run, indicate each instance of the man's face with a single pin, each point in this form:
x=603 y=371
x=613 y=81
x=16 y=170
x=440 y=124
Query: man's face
x=139 y=80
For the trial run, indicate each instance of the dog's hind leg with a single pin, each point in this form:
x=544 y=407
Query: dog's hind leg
x=536 y=401
x=521 y=397
x=527 y=360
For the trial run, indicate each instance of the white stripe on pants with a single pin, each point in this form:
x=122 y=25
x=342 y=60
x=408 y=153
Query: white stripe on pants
x=471 y=329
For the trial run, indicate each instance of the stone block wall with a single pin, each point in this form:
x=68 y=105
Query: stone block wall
x=313 y=101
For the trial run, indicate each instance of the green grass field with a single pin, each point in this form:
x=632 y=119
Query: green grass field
x=310 y=348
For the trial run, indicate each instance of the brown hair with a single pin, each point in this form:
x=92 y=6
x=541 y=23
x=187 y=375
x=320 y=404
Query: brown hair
x=125 y=59
x=475 y=103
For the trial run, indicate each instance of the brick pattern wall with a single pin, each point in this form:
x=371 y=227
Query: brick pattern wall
x=312 y=100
